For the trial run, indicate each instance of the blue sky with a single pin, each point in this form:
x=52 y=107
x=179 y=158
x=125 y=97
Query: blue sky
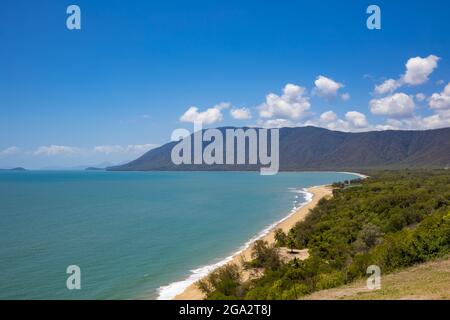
x=124 y=82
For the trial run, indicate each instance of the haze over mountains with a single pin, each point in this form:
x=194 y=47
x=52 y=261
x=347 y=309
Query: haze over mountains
x=312 y=148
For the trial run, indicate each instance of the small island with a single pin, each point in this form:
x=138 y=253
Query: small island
x=94 y=169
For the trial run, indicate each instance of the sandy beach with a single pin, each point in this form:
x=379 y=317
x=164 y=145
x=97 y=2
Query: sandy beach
x=318 y=192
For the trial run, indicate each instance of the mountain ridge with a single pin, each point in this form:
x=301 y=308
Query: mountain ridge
x=312 y=148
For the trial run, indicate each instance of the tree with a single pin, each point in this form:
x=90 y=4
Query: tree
x=280 y=237
x=290 y=243
x=265 y=256
x=225 y=280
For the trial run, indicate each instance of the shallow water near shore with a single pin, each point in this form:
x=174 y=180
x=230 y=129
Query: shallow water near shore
x=134 y=235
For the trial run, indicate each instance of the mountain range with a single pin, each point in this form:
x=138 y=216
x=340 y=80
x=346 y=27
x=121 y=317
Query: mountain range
x=312 y=148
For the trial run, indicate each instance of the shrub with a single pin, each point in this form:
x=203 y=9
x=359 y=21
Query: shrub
x=330 y=280
x=225 y=280
x=264 y=256
x=280 y=238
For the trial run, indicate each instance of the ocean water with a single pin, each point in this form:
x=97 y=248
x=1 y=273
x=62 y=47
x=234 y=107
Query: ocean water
x=134 y=235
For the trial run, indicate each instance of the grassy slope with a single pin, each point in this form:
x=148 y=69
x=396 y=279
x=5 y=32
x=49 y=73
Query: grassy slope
x=430 y=280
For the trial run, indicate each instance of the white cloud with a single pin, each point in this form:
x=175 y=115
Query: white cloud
x=441 y=100
x=140 y=148
x=354 y=121
x=291 y=104
x=388 y=86
x=417 y=72
x=326 y=87
x=9 y=151
x=331 y=121
x=420 y=97
x=108 y=149
x=439 y=120
x=345 y=96
x=328 y=117
x=209 y=116
x=399 y=108
x=131 y=149
x=419 y=69
x=57 y=150
x=394 y=106
x=275 y=123
x=241 y=114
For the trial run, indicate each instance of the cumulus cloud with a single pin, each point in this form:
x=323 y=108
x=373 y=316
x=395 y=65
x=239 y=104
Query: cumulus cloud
x=54 y=150
x=420 y=97
x=9 y=151
x=419 y=69
x=417 y=72
x=399 y=107
x=275 y=123
x=292 y=104
x=353 y=121
x=440 y=101
x=241 y=114
x=292 y=108
x=388 y=86
x=394 y=106
x=326 y=87
x=439 y=120
x=209 y=116
x=328 y=117
x=356 y=119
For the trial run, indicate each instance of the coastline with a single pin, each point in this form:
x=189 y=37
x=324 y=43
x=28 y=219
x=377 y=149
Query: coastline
x=360 y=175
x=315 y=193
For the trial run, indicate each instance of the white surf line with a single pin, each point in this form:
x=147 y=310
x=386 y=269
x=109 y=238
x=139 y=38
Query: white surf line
x=362 y=176
x=175 y=288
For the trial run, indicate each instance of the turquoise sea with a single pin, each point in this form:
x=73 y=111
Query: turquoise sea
x=135 y=235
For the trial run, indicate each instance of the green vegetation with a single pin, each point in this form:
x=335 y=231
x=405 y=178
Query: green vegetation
x=392 y=219
x=425 y=281
x=264 y=256
x=222 y=284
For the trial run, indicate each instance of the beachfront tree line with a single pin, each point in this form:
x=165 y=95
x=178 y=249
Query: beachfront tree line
x=392 y=220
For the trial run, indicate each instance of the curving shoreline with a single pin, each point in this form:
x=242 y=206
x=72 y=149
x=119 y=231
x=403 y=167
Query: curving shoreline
x=317 y=192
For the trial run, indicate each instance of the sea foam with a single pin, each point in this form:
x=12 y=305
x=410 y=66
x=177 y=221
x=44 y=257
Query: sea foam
x=175 y=288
